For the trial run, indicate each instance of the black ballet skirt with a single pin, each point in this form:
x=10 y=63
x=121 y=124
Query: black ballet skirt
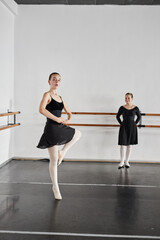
x=128 y=129
x=55 y=133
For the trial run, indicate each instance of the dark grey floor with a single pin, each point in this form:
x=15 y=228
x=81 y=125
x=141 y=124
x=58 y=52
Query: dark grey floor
x=99 y=202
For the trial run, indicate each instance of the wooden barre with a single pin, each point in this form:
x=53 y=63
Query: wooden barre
x=8 y=114
x=9 y=126
x=106 y=113
x=150 y=114
x=150 y=126
x=91 y=113
x=109 y=125
x=93 y=125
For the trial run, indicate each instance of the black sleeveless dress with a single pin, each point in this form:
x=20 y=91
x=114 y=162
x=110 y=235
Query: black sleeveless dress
x=55 y=133
x=128 y=129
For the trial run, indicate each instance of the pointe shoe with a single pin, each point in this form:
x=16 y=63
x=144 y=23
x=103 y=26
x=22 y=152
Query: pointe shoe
x=127 y=165
x=57 y=194
x=60 y=158
x=120 y=166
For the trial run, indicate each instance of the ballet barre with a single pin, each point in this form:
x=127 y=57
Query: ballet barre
x=110 y=125
x=9 y=124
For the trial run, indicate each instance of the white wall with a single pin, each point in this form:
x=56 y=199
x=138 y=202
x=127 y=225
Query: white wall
x=102 y=52
x=6 y=76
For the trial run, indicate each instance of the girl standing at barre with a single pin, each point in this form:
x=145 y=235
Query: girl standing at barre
x=56 y=132
x=128 y=130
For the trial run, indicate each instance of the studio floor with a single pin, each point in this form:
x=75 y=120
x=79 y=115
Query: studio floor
x=99 y=201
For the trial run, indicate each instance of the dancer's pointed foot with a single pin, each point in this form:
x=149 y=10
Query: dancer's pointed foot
x=57 y=194
x=60 y=157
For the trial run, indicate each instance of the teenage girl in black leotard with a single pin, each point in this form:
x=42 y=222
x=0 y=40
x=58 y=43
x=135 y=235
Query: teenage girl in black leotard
x=128 y=129
x=55 y=131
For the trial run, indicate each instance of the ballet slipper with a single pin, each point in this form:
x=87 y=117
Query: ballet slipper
x=127 y=165
x=60 y=157
x=121 y=165
x=57 y=194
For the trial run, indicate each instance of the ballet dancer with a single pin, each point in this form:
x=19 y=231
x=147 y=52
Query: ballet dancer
x=128 y=130
x=56 y=132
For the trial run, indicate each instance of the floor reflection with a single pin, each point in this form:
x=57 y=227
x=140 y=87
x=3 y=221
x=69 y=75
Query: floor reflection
x=53 y=216
x=8 y=206
x=126 y=209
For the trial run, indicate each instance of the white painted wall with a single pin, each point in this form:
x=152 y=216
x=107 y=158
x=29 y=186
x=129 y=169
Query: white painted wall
x=6 y=76
x=102 y=52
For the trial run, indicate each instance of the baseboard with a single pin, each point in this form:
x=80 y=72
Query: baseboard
x=82 y=160
x=31 y=159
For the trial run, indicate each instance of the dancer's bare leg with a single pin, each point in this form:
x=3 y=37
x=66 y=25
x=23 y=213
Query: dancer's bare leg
x=66 y=147
x=128 y=153
x=122 y=155
x=53 y=153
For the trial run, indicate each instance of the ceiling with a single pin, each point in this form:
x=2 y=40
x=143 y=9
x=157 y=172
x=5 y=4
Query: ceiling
x=90 y=2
